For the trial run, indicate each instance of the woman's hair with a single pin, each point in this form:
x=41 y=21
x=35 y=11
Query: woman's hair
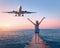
x=37 y=22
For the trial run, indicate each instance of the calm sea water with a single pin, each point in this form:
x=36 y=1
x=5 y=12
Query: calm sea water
x=19 y=38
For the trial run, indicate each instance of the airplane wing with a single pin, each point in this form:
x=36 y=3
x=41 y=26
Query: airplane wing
x=15 y=12
x=27 y=12
x=7 y=12
x=30 y=12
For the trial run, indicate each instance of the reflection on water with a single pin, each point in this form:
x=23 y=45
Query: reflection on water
x=37 y=42
x=18 y=39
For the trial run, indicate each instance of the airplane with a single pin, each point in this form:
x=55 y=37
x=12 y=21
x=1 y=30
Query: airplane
x=19 y=12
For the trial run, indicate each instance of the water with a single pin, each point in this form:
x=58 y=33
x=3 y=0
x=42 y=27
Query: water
x=19 y=38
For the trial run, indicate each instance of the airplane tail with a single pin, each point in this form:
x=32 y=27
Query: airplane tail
x=19 y=12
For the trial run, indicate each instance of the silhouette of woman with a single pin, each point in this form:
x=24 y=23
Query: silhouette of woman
x=36 y=24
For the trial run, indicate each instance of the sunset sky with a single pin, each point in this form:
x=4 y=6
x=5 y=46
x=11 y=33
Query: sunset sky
x=44 y=8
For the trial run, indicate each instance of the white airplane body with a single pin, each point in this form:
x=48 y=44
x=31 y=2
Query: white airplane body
x=19 y=12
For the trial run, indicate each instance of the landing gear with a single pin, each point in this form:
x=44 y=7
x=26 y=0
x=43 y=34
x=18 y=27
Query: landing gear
x=15 y=15
x=22 y=15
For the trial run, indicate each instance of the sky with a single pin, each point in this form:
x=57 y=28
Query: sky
x=50 y=9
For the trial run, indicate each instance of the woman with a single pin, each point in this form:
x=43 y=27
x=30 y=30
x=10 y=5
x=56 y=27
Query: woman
x=36 y=24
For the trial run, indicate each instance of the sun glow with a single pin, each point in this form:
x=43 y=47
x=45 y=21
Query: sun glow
x=7 y=25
